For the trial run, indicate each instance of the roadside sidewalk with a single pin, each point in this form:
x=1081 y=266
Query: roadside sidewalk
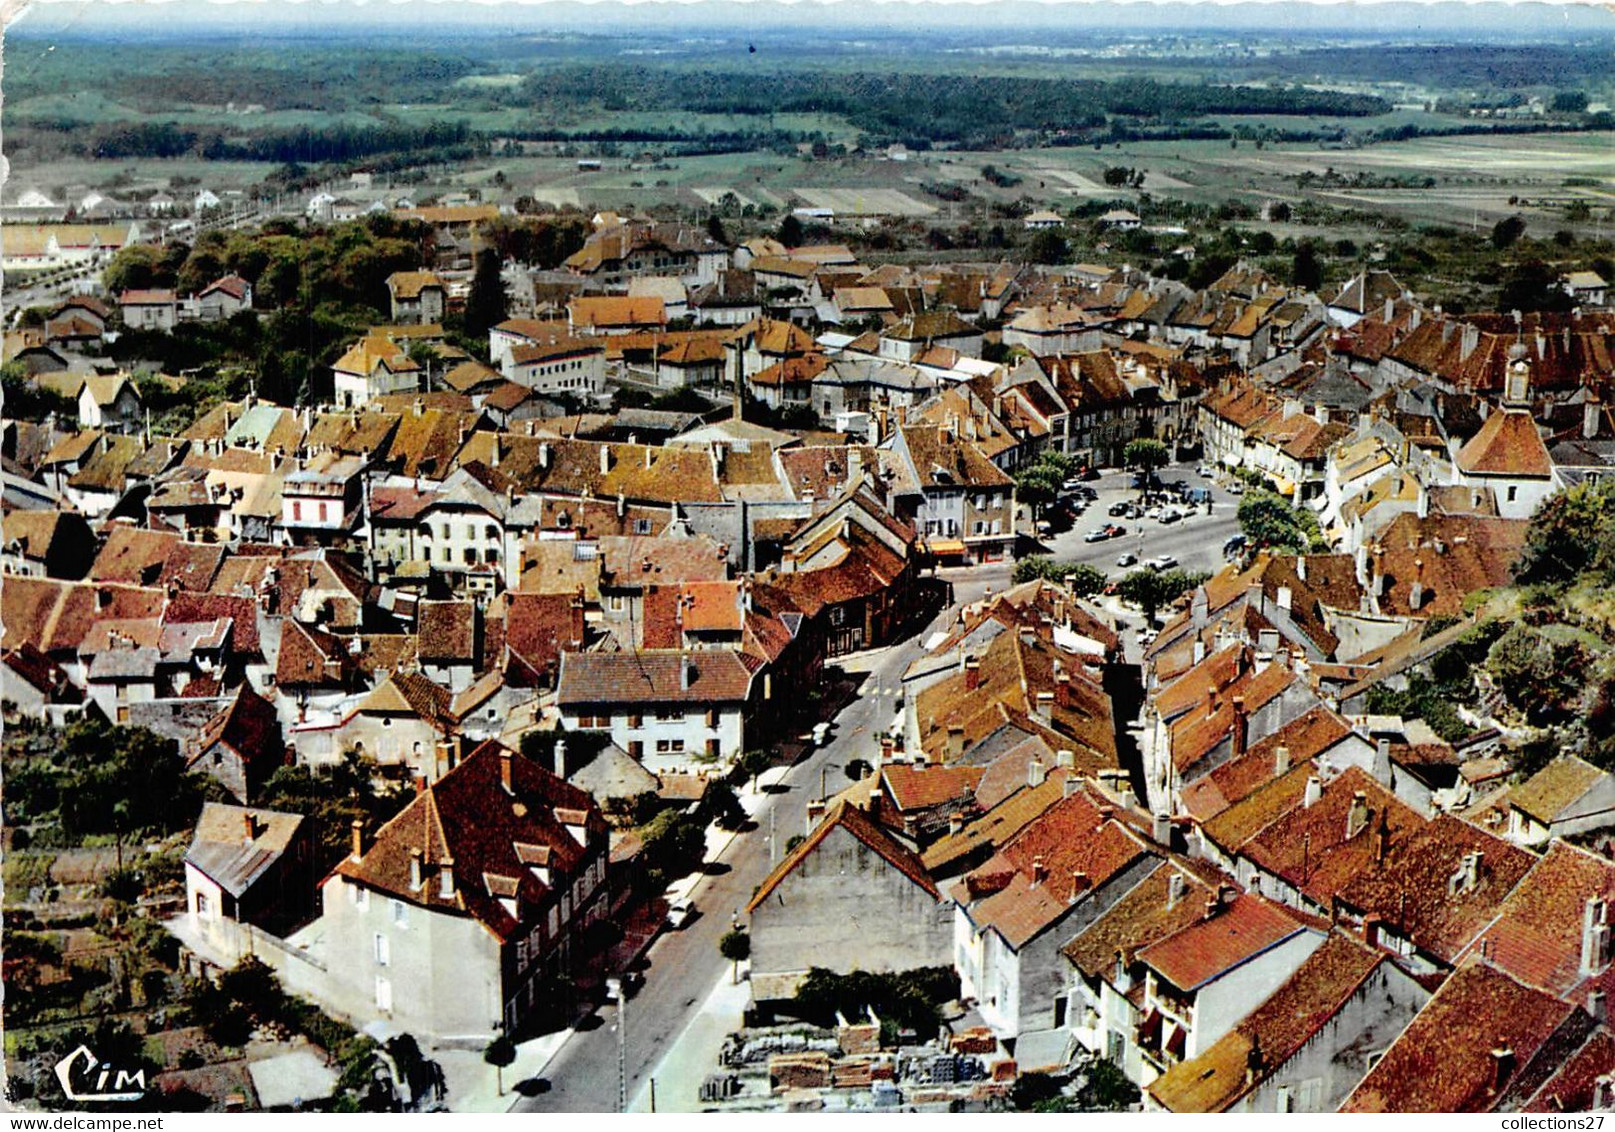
x=473 y=1084
x=694 y=1053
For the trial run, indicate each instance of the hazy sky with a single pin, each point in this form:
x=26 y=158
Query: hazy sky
x=67 y=16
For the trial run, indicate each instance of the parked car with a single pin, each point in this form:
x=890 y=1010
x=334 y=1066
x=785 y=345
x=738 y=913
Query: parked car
x=679 y=913
x=1235 y=545
x=821 y=733
x=1204 y=471
x=1098 y=534
x=1117 y=510
x=1171 y=515
x=1161 y=562
x=1127 y=560
x=1071 y=484
x=1236 y=488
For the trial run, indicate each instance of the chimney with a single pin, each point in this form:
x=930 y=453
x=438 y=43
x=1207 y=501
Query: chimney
x=1284 y=598
x=1604 y=1093
x=1161 y=829
x=956 y=742
x=249 y=827
x=560 y=758
x=1416 y=591
x=1594 y=937
x=1590 y=414
x=1357 y=816
x=1382 y=762
x=605 y=459
x=1176 y=887
x=687 y=672
x=956 y=822
x=1199 y=650
x=1597 y=1006
x=1241 y=726
x=415 y=877
x=1281 y=761
x=1036 y=772
x=1469 y=341
x=1062 y=690
x=1300 y=568
x=1471 y=870
x=544 y=456
x=504 y=772
x=1045 y=706
x=972 y=673
x=357 y=833
x=577 y=619
x=1313 y=793
x=1502 y=1066
x=1040 y=870
x=445 y=878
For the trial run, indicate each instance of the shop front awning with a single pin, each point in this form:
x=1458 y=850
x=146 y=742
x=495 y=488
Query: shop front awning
x=946 y=546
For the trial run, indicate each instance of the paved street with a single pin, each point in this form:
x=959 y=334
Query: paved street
x=685 y=965
x=1196 y=542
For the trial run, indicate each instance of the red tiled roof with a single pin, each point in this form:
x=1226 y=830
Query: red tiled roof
x=491 y=836
x=1443 y=1061
x=1536 y=937
x=1571 y=1089
x=709 y=677
x=921 y=787
x=1070 y=849
x=1207 y=949
x=1508 y=444
x=1324 y=983
x=187 y=608
x=447 y=630
x=1304 y=738
x=538 y=627
x=249 y=726
x=1413 y=890
x=1310 y=849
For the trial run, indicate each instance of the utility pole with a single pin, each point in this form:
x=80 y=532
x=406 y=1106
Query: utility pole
x=615 y=986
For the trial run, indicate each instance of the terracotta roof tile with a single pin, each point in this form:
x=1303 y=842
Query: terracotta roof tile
x=447 y=630
x=1508 y=444
x=1537 y=936
x=490 y=836
x=711 y=677
x=1324 y=983
x=921 y=787
x=1208 y=948
x=1418 y=896
x=1304 y=737
x=1143 y=916
x=1443 y=1061
x=1319 y=849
